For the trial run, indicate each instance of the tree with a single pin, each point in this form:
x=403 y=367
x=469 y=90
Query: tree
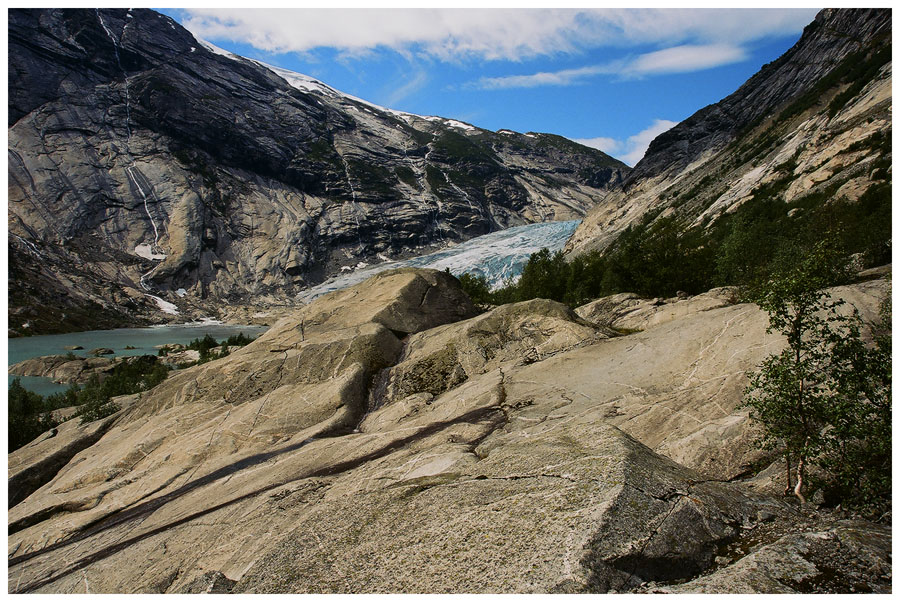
x=476 y=287
x=827 y=391
x=26 y=416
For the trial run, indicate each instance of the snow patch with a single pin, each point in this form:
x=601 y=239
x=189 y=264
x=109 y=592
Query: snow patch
x=181 y=292
x=146 y=251
x=165 y=306
x=215 y=49
x=459 y=124
x=304 y=83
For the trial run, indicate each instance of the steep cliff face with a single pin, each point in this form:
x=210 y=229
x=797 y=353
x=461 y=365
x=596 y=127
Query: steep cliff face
x=144 y=163
x=817 y=120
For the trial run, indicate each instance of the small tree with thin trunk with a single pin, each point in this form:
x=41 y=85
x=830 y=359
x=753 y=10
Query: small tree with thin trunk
x=793 y=392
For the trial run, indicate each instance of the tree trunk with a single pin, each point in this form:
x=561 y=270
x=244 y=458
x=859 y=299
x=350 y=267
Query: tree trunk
x=799 y=487
x=787 y=465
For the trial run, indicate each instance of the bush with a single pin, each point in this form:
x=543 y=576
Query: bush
x=27 y=417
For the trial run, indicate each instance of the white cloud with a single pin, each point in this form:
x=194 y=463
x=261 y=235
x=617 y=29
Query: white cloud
x=566 y=77
x=678 y=59
x=632 y=149
x=491 y=34
x=683 y=59
x=443 y=34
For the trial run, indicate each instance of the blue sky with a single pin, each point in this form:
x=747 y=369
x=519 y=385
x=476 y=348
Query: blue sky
x=609 y=78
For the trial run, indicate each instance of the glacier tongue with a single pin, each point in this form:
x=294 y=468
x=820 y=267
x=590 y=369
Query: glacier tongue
x=498 y=256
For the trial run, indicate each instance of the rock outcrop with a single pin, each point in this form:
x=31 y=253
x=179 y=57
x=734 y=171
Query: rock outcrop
x=65 y=369
x=385 y=439
x=817 y=121
x=149 y=168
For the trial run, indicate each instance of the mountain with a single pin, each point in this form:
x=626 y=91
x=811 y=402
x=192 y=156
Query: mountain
x=151 y=172
x=808 y=128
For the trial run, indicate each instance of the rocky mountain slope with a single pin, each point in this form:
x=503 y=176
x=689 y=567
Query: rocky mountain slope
x=384 y=438
x=814 y=125
x=144 y=163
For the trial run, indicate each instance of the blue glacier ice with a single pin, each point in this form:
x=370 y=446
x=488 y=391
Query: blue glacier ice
x=498 y=256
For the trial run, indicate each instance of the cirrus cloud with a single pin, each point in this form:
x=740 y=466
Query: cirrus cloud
x=678 y=59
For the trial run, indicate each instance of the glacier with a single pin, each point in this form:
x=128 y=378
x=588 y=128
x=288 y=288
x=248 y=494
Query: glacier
x=499 y=256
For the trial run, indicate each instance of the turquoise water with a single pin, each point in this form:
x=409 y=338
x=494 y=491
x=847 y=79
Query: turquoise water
x=143 y=340
x=499 y=257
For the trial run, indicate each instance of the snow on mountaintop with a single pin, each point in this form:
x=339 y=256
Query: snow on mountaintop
x=308 y=84
x=451 y=122
x=215 y=49
x=305 y=83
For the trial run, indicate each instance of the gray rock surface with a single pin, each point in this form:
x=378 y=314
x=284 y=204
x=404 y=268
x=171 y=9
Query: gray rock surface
x=598 y=466
x=441 y=358
x=821 y=556
x=628 y=312
x=64 y=369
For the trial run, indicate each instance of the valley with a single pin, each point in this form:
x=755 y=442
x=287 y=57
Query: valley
x=487 y=361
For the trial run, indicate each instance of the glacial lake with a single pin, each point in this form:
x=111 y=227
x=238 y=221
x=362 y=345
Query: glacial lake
x=144 y=341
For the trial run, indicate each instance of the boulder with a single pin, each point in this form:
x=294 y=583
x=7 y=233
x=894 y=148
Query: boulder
x=846 y=557
x=65 y=369
x=520 y=333
x=628 y=312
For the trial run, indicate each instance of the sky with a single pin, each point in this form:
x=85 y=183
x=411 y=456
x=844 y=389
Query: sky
x=609 y=78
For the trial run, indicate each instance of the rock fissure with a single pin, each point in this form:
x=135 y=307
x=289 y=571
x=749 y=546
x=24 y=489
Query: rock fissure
x=638 y=556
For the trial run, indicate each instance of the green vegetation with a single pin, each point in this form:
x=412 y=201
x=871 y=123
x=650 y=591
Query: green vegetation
x=207 y=344
x=30 y=413
x=825 y=400
x=854 y=72
x=476 y=287
x=600 y=159
x=372 y=178
x=27 y=416
x=857 y=69
x=407 y=176
x=457 y=147
x=659 y=257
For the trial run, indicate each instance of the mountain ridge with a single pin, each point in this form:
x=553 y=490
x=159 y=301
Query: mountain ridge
x=143 y=164
x=780 y=118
